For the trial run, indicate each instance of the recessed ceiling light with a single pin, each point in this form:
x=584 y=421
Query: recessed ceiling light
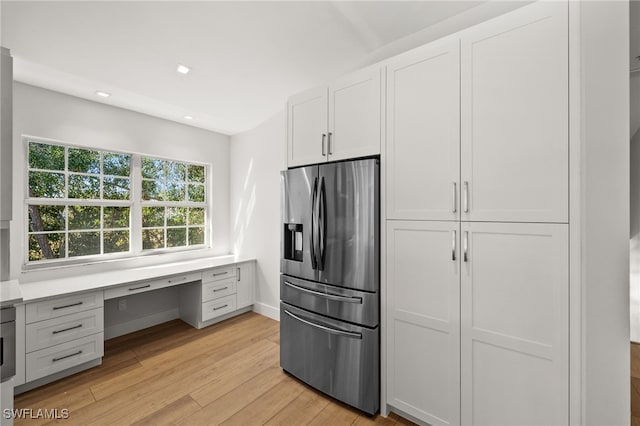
x=188 y=117
x=103 y=94
x=182 y=69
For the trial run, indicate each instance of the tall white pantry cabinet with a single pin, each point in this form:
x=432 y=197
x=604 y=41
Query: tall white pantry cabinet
x=477 y=224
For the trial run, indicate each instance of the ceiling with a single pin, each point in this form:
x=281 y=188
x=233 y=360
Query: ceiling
x=246 y=57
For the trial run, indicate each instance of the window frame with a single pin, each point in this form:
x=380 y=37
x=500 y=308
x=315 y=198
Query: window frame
x=135 y=204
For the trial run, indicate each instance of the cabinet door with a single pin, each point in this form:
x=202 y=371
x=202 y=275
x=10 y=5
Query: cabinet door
x=515 y=116
x=245 y=283
x=423 y=320
x=307 y=131
x=514 y=331
x=423 y=133
x=354 y=115
x=6 y=135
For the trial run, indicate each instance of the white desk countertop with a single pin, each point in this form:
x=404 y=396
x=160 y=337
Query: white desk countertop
x=37 y=290
x=10 y=293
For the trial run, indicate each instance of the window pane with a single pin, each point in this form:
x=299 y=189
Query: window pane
x=84 y=217
x=115 y=188
x=81 y=186
x=176 y=171
x=116 y=241
x=116 y=217
x=176 y=216
x=46 y=185
x=152 y=216
x=196 y=174
x=152 y=239
x=175 y=192
x=84 y=243
x=196 y=193
x=116 y=164
x=84 y=161
x=45 y=156
x=176 y=237
x=46 y=218
x=46 y=246
x=196 y=236
x=196 y=216
x=152 y=190
x=152 y=168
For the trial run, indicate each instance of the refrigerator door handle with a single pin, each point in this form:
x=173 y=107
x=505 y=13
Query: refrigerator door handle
x=312 y=236
x=330 y=296
x=325 y=328
x=322 y=224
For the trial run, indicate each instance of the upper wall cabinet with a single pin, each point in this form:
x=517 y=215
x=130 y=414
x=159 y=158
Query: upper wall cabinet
x=6 y=135
x=423 y=133
x=336 y=122
x=515 y=141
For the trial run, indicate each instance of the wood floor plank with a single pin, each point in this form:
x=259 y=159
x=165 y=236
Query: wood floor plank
x=171 y=414
x=301 y=410
x=70 y=400
x=335 y=414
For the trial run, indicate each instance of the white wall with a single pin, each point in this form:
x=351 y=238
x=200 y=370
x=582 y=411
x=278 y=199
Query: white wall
x=47 y=114
x=604 y=119
x=257 y=157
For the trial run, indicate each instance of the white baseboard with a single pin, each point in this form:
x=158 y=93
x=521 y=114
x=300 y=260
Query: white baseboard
x=140 y=323
x=267 y=310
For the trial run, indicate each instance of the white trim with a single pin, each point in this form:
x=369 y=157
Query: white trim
x=266 y=310
x=140 y=323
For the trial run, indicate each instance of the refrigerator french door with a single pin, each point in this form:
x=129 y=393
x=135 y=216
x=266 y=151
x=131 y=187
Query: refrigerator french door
x=329 y=289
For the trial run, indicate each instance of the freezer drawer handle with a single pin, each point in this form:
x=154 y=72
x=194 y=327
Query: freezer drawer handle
x=330 y=296
x=66 y=329
x=325 y=328
x=66 y=356
x=55 y=308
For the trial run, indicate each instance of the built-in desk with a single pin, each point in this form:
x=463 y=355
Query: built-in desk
x=61 y=322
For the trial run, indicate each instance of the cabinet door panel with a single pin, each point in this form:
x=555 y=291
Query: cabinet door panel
x=423 y=284
x=515 y=116
x=307 y=121
x=423 y=133
x=245 y=284
x=354 y=115
x=514 y=330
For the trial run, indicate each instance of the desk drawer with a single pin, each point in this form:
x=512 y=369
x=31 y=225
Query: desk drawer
x=53 y=308
x=59 y=330
x=217 y=307
x=218 y=289
x=218 y=274
x=60 y=357
x=142 y=286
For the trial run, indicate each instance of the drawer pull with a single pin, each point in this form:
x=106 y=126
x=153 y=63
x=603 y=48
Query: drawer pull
x=55 y=308
x=220 y=307
x=221 y=273
x=180 y=279
x=66 y=329
x=66 y=356
x=220 y=289
x=140 y=288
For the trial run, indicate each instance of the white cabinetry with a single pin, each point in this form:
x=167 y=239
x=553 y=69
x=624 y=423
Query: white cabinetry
x=6 y=135
x=245 y=285
x=336 y=122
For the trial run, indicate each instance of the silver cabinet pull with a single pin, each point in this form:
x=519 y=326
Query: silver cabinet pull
x=455 y=197
x=220 y=289
x=55 y=308
x=466 y=246
x=324 y=136
x=221 y=273
x=453 y=245
x=66 y=356
x=325 y=328
x=220 y=307
x=66 y=329
x=238 y=273
x=466 y=196
x=329 y=143
x=175 y=281
x=140 y=288
x=330 y=296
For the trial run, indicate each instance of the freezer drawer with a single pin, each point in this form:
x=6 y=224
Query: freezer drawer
x=339 y=359
x=354 y=306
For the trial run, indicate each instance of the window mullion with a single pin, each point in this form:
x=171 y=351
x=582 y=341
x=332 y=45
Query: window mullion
x=135 y=237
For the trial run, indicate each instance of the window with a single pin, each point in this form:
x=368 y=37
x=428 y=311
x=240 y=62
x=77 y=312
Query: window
x=86 y=202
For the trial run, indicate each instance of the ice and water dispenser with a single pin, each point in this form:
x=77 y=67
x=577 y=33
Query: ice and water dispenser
x=293 y=238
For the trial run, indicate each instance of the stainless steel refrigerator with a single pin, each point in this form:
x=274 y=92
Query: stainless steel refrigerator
x=330 y=279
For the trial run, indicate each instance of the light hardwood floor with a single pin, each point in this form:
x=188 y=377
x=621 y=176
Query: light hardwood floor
x=174 y=374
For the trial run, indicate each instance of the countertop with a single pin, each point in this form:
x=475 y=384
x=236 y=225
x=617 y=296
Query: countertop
x=58 y=287
x=10 y=293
